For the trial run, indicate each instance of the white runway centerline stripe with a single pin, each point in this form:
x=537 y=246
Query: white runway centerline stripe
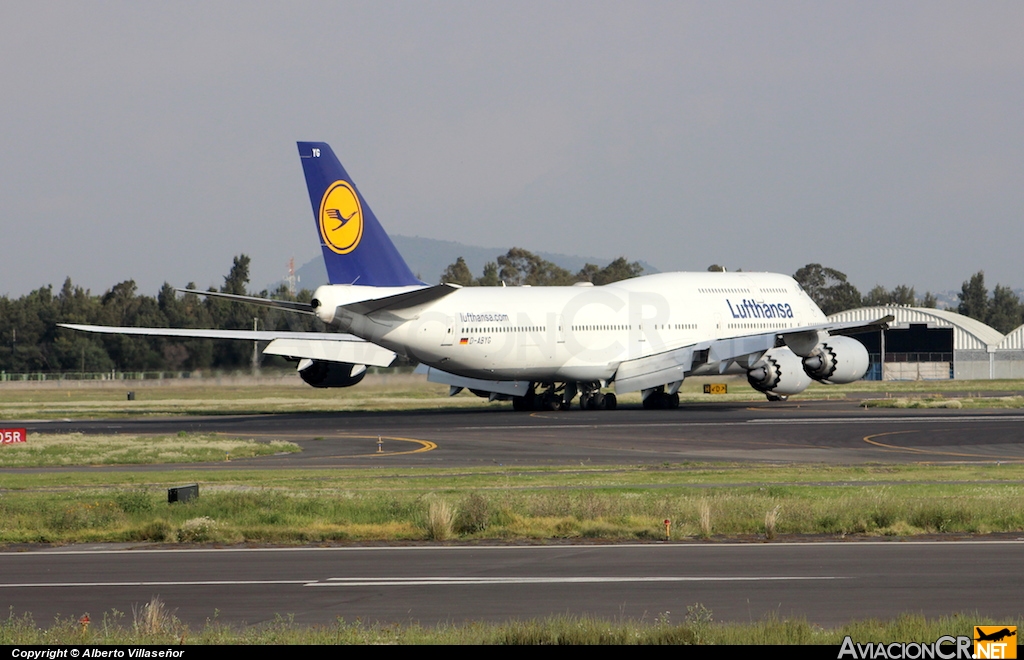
x=409 y=581
x=147 y=583
x=460 y=581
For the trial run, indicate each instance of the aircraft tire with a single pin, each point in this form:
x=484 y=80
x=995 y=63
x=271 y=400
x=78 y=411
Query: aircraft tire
x=661 y=401
x=610 y=402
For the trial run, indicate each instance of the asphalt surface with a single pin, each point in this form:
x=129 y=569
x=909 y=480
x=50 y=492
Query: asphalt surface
x=810 y=431
x=827 y=583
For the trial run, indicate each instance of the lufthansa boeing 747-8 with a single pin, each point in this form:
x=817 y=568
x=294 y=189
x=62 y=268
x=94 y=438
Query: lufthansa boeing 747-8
x=541 y=346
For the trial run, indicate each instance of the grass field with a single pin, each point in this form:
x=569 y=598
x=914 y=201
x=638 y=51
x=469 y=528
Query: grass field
x=628 y=503
x=78 y=449
x=153 y=624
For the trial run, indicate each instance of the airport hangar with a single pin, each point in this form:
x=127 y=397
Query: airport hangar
x=934 y=344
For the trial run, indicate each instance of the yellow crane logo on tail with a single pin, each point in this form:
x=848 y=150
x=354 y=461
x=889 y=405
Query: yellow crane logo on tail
x=341 y=218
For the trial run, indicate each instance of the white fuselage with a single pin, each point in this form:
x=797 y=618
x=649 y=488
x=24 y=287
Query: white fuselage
x=579 y=333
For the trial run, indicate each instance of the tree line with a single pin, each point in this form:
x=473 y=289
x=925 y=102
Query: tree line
x=31 y=340
x=519 y=267
x=832 y=292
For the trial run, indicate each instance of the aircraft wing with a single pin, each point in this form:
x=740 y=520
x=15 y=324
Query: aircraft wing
x=674 y=365
x=327 y=346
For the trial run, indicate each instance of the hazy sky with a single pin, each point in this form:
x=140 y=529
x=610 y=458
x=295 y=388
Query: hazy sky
x=155 y=141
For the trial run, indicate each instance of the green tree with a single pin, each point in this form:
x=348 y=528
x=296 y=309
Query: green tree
x=1005 y=310
x=458 y=273
x=237 y=279
x=876 y=296
x=828 y=288
x=588 y=273
x=901 y=295
x=974 y=298
x=618 y=270
x=518 y=267
x=490 y=276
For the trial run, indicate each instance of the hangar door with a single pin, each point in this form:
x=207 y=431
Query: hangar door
x=914 y=353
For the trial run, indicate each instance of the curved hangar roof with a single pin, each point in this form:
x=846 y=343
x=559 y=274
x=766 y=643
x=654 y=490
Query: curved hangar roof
x=1013 y=341
x=968 y=333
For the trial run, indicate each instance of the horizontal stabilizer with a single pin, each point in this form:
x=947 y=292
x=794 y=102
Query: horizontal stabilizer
x=289 y=305
x=403 y=300
x=332 y=351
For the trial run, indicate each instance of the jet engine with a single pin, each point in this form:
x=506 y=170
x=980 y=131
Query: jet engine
x=837 y=360
x=778 y=373
x=319 y=373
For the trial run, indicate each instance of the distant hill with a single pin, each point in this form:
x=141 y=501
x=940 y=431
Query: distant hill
x=428 y=258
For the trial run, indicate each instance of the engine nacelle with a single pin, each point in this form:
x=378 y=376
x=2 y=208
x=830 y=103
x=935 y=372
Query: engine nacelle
x=779 y=372
x=319 y=373
x=837 y=360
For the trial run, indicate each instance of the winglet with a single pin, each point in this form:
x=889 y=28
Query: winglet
x=356 y=248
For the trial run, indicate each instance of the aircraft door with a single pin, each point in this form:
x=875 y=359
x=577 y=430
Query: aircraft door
x=449 y=335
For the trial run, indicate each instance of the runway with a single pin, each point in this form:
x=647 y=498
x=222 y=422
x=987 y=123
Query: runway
x=826 y=583
x=836 y=431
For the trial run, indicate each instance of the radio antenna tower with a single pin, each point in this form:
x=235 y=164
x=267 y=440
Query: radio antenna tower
x=292 y=278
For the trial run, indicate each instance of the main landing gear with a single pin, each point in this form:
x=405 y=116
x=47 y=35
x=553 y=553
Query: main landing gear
x=552 y=398
x=559 y=397
x=598 y=401
x=555 y=396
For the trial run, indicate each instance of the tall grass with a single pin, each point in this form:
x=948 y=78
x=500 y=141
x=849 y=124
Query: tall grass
x=440 y=520
x=153 y=624
x=771 y=519
x=297 y=512
x=704 y=516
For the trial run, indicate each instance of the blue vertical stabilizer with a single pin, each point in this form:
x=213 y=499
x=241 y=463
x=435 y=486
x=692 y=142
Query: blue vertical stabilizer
x=356 y=248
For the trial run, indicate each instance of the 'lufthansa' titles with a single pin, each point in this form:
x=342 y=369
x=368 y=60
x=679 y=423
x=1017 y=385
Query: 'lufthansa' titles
x=750 y=309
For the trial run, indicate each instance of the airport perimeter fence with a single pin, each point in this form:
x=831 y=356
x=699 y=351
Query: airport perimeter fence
x=198 y=375
x=114 y=375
